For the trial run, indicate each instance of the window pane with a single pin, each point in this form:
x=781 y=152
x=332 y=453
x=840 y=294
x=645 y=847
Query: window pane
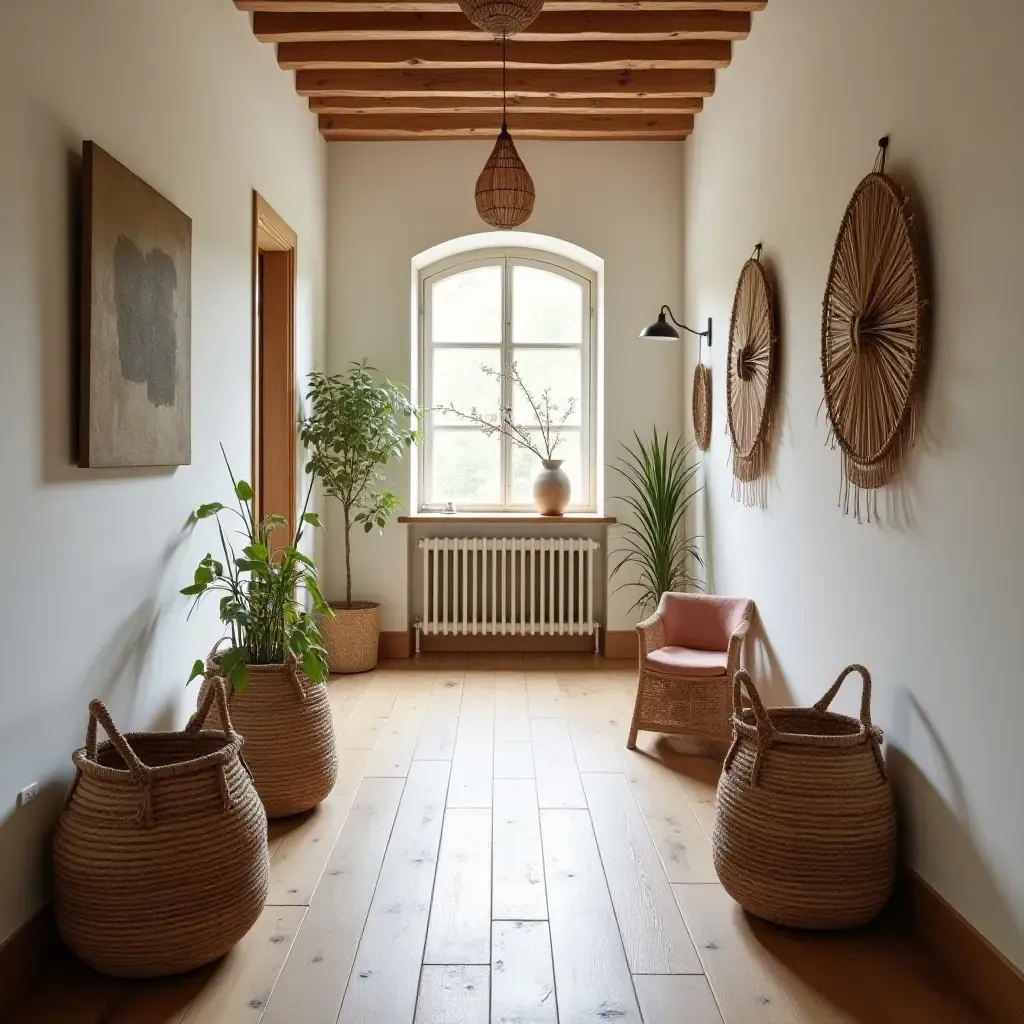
x=465 y=467
x=459 y=380
x=526 y=466
x=466 y=307
x=546 y=308
x=557 y=369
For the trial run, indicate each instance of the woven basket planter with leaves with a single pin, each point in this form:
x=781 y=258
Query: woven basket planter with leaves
x=805 y=821
x=289 y=736
x=160 y=855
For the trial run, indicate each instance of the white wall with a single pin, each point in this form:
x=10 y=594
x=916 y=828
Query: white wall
x=391 y=201
x=932 y=605
x=91 y=560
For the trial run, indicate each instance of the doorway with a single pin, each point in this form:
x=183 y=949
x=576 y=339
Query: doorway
x=273 y=384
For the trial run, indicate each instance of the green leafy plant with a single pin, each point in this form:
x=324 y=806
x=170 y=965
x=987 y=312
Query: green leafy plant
x=356 y=425
x=259 y=590
x=661 y=476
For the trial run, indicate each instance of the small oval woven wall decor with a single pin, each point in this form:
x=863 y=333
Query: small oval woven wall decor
x=702 y=406
x=501 y=17
x=871 y=338
x=504 y=190
x=750 y=381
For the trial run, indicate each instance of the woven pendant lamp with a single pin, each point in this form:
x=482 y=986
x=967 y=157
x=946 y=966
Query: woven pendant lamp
x=501 y=17
x=504 y=190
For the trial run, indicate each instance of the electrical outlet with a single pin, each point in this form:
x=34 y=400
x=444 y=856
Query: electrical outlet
x=28 y=794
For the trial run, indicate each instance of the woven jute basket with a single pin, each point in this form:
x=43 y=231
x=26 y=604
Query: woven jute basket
x=805 y=822
x=352 y=636
x=160 y=855
x=289 y=736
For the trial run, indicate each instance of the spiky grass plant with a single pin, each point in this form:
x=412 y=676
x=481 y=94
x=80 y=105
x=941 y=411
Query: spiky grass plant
x=661 y=475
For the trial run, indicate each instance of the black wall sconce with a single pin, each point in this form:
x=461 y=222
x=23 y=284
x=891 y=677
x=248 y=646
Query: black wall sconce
x=662 y=330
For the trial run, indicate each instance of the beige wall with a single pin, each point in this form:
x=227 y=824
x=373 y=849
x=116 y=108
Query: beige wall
x=392 y=201
x=90 y=561
x=931 y=603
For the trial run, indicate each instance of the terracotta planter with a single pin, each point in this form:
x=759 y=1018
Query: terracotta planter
x=551 y=491
x=289 y=747
x=351 y=637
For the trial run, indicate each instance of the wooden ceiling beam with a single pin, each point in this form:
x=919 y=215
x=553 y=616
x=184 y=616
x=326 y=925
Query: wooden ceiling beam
x=437 y=6
x=425 y=103
x=557 y=135
x=432 y=53
x=551 y=26
x=482 y=123
x=470 y=82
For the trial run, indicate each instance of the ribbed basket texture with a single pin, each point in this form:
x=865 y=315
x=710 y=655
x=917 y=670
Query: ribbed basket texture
x=351 y=636
x=504 y=190
x=805 y=821
x=501 y=17
x=160 y=855
x=289 y=736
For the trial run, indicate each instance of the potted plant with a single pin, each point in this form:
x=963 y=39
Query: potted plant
x=551 y=489
x=357 y=424
x=656 y=545
x=275 y=662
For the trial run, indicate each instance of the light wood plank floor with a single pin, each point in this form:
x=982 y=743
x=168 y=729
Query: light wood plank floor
x=493 y=853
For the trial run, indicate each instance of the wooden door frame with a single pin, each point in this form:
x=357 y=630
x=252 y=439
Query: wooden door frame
x=271 y=234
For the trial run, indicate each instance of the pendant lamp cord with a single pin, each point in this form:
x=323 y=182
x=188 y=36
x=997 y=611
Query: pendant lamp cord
x=504 y=112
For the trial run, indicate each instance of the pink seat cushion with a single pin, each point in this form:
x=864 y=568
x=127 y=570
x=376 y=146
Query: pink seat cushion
x=686 y=661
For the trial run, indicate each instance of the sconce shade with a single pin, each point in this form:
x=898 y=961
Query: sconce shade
x=501 y=17
x=504 y=190
x=662 y=330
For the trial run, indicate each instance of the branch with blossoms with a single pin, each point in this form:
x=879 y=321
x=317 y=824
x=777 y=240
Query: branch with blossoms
x=549 y=416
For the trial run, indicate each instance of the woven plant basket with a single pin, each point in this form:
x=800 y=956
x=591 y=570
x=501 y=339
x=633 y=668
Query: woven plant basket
x=160 y=855
x=805 y=822
x=352 y=636
x=289 y=736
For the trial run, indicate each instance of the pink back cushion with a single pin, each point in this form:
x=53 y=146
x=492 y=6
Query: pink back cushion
x=702 y=621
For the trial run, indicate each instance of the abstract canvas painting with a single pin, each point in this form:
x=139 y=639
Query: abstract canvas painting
x=136 y=320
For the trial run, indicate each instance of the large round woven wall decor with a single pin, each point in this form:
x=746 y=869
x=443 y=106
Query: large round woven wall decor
x=750 y=381
x=872 y=349
x=702 y=406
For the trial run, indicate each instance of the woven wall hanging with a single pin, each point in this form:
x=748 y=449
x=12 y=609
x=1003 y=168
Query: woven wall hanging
x=750 y=381
x=504 y=192
x=702 y=404
x=501 y=17
x=872 y=349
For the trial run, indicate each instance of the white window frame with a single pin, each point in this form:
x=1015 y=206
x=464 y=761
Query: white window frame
x=509 y=258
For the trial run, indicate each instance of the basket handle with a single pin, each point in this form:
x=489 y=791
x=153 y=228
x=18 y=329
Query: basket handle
x=215 y=649
x=216 y=693
x=865 y=697
x=292 y=665
x=765 y=729
x=99 y=715
x=873 y=734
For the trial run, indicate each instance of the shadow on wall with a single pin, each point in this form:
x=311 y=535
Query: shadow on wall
x=764 y=668
x=948 y=823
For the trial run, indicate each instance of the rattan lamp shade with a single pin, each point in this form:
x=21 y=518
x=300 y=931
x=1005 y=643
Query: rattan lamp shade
x=504 y=190
x=501 y=17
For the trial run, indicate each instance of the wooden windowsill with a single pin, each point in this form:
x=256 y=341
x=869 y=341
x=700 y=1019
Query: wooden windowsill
x=531 y=518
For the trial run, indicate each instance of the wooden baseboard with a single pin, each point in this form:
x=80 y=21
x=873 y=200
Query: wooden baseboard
x=394 y=644
x=978 y=969
x=24 y=956
x=511 y=644
x=621 y=643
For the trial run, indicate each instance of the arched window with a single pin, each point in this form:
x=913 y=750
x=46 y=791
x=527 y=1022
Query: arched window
x=490 y=319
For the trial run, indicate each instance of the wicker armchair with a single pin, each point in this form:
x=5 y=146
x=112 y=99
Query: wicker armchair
x=689 y=652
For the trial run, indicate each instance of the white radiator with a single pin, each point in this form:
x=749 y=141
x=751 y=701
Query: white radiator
x=518 y=586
